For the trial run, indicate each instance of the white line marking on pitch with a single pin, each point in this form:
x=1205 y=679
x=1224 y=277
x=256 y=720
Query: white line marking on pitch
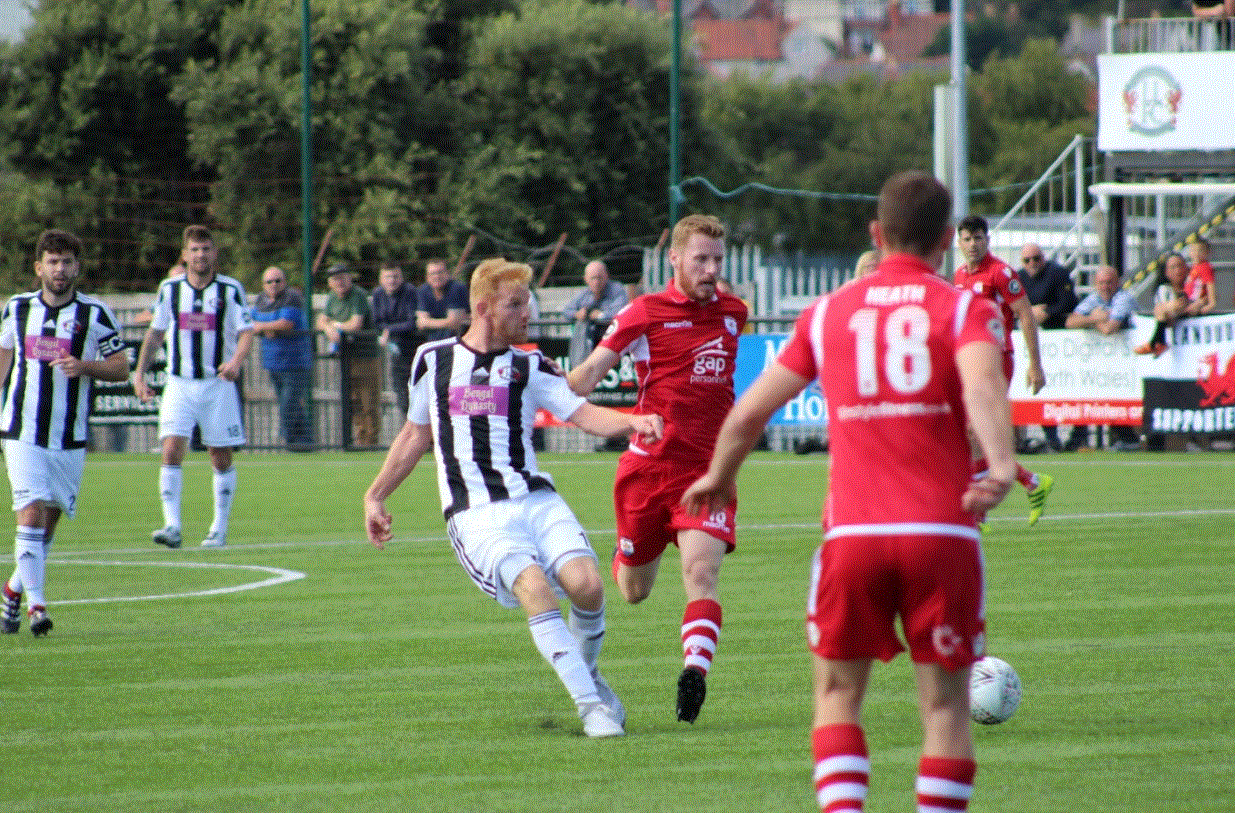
x=279 y=576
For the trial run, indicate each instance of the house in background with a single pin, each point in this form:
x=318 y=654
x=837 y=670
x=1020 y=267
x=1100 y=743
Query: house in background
x=809 y=39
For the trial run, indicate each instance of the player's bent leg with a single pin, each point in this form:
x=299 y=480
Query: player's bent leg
x=701 y=620
x=701 y=558
x=635 y=582
x=558 y=646
x=580 y=579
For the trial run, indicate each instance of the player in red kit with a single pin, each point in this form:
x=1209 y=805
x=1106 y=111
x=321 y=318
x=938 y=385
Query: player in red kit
x=684 y=343
x=988 y=276
x=907 y=362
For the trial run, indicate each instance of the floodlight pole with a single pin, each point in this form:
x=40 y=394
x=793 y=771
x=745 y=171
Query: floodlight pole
x=675 y=112
x=306 y=182
x=960 y=129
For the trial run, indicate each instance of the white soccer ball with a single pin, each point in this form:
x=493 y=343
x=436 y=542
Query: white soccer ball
x=994 y=691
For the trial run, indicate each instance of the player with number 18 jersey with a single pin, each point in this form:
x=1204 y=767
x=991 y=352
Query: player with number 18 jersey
x=884 y=349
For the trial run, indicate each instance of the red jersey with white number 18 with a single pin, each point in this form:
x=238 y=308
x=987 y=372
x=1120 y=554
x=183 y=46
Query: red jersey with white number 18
x=685 y=354
x=884 y=348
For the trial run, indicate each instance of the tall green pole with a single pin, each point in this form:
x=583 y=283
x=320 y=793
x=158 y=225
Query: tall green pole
x=306 y=182
x=675 y=113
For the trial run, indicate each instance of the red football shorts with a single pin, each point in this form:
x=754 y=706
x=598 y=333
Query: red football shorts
x=646 y=496
x=934 y=584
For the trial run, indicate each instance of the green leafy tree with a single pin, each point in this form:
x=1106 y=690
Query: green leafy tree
x=91 y=134
x=568 y=107
x=1033 y=107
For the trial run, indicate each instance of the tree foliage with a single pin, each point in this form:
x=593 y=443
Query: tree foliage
x=436 y=119
x=371 y=90
x=91 y=130
x=569 y=124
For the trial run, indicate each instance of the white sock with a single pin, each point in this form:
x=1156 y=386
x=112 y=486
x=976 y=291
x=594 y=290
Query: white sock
x=171 y=483
x=561 y=650
x=31 y=563
x=15 y=582
x=224 y=493
x=588 y=627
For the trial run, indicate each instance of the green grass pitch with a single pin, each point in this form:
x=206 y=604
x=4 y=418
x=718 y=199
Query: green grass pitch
x=384 y=681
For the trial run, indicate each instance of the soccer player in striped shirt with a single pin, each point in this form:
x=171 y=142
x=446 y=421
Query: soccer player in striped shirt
x=474 y=401
x=684 y=343
x=906 y=362
x=207 y=325
x=53 y=343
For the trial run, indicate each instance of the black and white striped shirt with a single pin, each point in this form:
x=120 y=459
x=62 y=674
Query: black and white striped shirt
x=482 y=408
x=42 y=405
x=201 y=325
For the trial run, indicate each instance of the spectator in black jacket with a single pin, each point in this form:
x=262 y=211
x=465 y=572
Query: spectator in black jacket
x=394 y=315
x=1051 y=298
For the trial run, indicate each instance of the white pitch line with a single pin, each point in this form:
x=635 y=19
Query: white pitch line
x=280 y=576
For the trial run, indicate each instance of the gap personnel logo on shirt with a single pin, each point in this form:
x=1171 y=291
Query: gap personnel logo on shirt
x=1151 y=99
x=711 y=363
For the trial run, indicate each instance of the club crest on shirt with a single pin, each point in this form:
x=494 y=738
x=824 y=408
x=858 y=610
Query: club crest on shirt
x=995 y=326
x=508 y=374
x=71 y=326
x=731 y=325
x=1014 y=286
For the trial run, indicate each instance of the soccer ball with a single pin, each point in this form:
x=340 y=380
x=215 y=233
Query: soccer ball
x=994 y=691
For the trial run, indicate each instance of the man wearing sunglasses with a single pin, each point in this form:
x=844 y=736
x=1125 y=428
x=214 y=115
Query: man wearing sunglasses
x=1051 y=298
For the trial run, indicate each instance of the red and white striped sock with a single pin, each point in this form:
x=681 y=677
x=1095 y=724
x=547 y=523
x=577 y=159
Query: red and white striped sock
x=945 y=785
x=700 y=633
x=842 y=767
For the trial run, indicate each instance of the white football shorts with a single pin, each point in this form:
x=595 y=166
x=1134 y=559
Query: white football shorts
x=50 y=475
x=497 y=541
x=212 y=403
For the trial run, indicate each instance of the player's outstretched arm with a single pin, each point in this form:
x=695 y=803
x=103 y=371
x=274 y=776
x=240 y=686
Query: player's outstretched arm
x=413 y=440
x=610 y=423
x=584 y=378
x=744 y=424
x=985 y=392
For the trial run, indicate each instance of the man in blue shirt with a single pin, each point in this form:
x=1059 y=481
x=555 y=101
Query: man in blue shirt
x=279 y=319
x=1107 y=309
x=394 y=315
